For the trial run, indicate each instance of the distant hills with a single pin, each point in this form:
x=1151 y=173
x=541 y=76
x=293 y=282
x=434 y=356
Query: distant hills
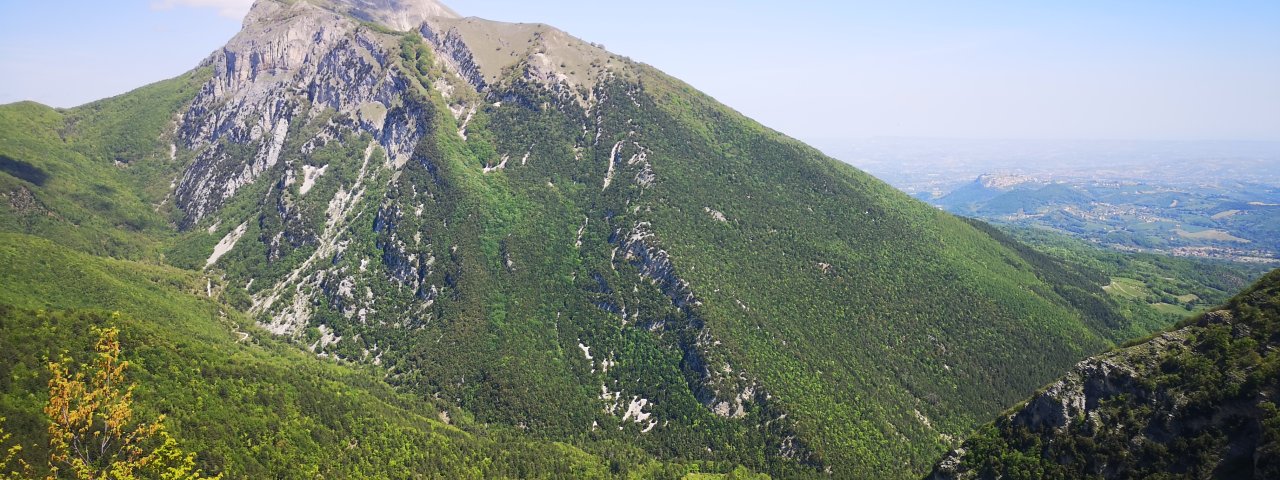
x=1205 y=199
x=1227 y=220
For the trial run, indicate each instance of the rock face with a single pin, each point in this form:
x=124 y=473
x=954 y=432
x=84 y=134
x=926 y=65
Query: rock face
x=1196 y=402
x=1092 y=382
x=289 y=63
x=403 y=15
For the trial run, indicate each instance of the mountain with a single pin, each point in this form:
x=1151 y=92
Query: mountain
x=562 y=244
x=1196 y=402
x=995 y=196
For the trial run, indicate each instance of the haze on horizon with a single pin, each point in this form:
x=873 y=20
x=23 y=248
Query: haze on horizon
x=822 y=71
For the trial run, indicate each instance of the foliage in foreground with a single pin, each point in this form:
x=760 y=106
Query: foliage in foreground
x=92 y=430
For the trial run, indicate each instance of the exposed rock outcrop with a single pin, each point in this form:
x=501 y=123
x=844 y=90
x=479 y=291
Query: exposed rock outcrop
x=292 y=61
x=1196 y=402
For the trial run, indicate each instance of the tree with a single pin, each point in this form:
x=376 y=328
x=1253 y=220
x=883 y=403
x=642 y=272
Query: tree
x=9 y=457
x=92 y=430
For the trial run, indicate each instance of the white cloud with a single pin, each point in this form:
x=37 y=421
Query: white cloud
x=233 y=9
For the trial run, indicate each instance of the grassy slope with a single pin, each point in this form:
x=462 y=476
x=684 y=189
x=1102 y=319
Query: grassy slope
x=921 y=311
x=94 y=171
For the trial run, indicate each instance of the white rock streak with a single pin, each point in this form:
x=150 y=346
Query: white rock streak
x=501 y=165
x=226 y=244
x=309 y=176
x=578 y=243
x=613 y=158
x=462 y=130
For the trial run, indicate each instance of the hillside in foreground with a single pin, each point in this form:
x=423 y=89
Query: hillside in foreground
x=1197 y=401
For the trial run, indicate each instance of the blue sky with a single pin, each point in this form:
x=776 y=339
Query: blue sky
x=818 y=70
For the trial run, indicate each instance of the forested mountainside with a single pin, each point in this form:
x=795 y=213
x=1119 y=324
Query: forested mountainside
x=503 y=221
x=1197 y=401
x=249 y=405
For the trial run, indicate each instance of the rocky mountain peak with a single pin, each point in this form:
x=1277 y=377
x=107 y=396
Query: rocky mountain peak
x=400 y=15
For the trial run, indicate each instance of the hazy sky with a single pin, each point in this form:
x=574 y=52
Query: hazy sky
x=817 y=70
